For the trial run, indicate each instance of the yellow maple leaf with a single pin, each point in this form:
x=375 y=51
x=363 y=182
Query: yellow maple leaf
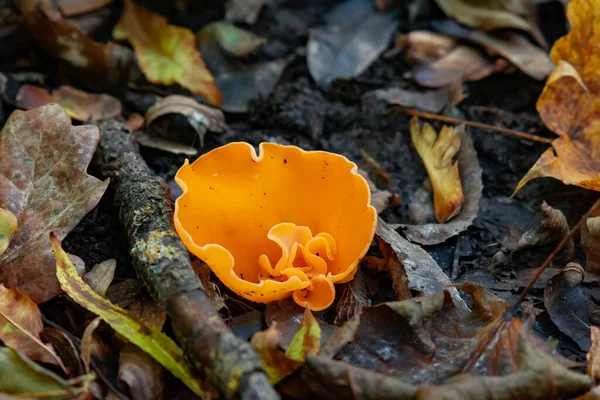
x=570 y=103
x=166 y=53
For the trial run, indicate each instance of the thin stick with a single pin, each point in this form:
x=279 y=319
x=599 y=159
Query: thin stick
x=513 y=309
x=451 y=120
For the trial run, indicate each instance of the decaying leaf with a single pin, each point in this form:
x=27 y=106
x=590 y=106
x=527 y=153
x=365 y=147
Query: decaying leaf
x=88 y=340
x=554 y=228
x=145 y=336
x=64 y=346
x=142 y=375
x=166 y=53
x=395 y=268
x=424 y=47
x=236 y=41
x=353 y=299
x=593 y=355
x=590 y=240
x=570 y=102
x=21 y=325
x=101 y=276
x=70 y=8
x=43 y=182
x=438 y=154
x=462 y=64
x=355 y=35
x=470 y=178
x=286 y=316
x=80 y=105
x=429 y=100
x=20 y=376
x=513 y=46
x=276 y=363
x=100 y=66
x=158 y=142
x=8 y=225
x=424 y=274
x=566 y=304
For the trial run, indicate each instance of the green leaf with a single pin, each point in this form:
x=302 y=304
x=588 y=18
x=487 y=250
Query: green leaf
x=235 y=41
x=8 y=225
x=19 y=375
x=147 y=337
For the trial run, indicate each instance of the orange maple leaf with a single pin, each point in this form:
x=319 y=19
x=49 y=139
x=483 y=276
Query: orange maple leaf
x=166 y=53
x=570 y=103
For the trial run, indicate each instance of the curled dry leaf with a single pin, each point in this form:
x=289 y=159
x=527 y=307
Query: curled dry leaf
x=393 y=264
x=142 y=375
x=100 y=66
x=462 y=64
x=424 y=275
x=276 y=363
x=21 y=325
x=355 y=35
x=101 y=276
x=593 y=355
x=8 y=225
x=429 y=100
x=566 y=304
x=438 y=154
x=166 y=53
x=88 y=343
x=570 y=102
x=146 y=336
x=470 y=178
x=63 y=345
x=352 y=299
x=236 y=41
x=513 y=46
x=44 y=183
x=80 y=105
x=590 y=240
x=554 y=228
x=424 y=47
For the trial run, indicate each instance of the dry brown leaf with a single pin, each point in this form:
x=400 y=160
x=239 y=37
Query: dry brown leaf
x=100 y=66
x=470 y=178
x=590 y=240
x=166 y=53
x=429 y=100
x=101 y=276
x=438 y=154
x=462 y=64
x=141 y=373
x=30 y=97
x=353 y=298
x=424 y=47
x=70 y=8
x=593 y=355
x=44 y=183
x=570 y=102
x=21 y=325
x=554 y=228
x=89 y=343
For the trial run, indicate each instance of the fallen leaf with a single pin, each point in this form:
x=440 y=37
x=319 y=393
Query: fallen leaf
x=424 y=274
x=84 y=106
x=513 y=46
x=101 y=275
x=142 y=375
x=65 y=348
x=243 y=10
x=70 y=8
x=21 y=325
x=43 y=182
x=355 y=35
x=236 y=41
x=166 y=53
x=380 y=199
x=20 y=376
x=80 y=105
x=286 y=316
x=569 y=103
x=438 y=151
x=395 y=268
x=213 y=292
x=160 y=143
x=590 y=240
x=247 y=324
x=593 y=360
x=353 y=298
x=100 y=66
x=470 y=178
x=429 y=100
x=147 y=337
x=566 y=304
x=553 y=229
x=462 y=64
x=87 y=343
x=420 y=208
x=8 y=225
x=424 y=47
x=278 y=364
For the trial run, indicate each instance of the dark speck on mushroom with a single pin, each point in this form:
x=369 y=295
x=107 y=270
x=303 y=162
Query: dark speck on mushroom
x=285 y=161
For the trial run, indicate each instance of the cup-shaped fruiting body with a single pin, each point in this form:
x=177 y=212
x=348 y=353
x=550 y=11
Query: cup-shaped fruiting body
x=285 y=222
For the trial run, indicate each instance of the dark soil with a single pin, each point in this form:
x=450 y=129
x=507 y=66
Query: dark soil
x=336 y=119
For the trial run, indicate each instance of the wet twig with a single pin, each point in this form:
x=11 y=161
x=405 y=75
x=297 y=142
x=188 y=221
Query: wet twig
x=162 y=262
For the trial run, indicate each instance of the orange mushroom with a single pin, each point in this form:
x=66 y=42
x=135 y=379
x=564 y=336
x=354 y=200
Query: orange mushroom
x=285 y=222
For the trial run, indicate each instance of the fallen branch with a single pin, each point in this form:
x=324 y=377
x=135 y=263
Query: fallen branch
x=162 y=262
